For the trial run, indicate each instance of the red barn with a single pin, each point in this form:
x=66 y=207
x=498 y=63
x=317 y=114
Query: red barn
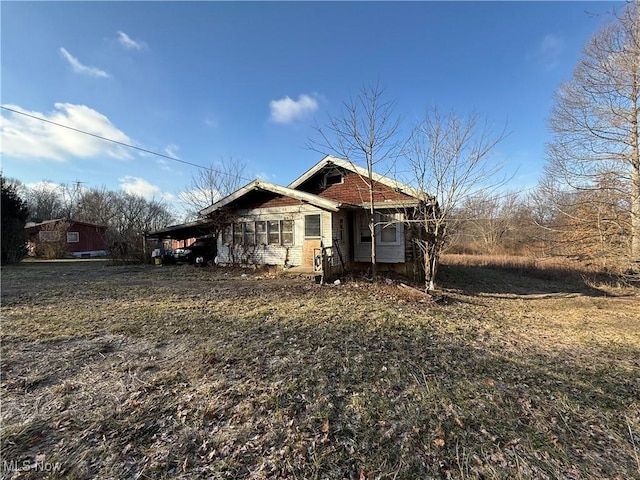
x=81 y=239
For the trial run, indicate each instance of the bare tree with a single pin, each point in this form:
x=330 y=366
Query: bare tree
x=364 y=133
x=588 y=224
x=595 y=125
x=70 y=198
x=98 y=205
x=135 y=216
x=211 y=184
x=44 y=201
x=449 y=158
x=489 y=220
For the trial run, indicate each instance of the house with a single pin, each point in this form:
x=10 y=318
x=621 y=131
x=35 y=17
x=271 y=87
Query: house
x=318 y=223
x=80 y=239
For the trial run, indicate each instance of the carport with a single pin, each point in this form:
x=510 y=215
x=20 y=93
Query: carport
x=196 y=229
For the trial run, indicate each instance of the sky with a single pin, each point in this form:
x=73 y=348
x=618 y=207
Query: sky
x=200 y=82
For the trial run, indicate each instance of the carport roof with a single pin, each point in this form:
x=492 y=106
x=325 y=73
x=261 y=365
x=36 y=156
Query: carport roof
x=197 y=228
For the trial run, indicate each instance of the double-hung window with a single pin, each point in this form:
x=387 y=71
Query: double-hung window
x=274 y=232
x=249 y=234
x=286 y=229
x=261 y=232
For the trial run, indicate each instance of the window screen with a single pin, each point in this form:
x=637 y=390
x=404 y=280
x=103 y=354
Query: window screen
x=287 y=232
x=261 y=232
x=388 y=229
x=274 y=232
x=312 y=226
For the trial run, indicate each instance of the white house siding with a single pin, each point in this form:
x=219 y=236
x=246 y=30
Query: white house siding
x=277 y=254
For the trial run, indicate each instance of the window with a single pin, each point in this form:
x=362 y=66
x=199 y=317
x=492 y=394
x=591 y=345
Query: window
x=227 y=235
x=249 y=237
x=388 y=228
x=341 y=229
x=364 y=233
x=237 y=233
x=73 y=237
x=274 y=232
x=261 y=232
x=312 y=226
x=333 y=179
x=287 y=232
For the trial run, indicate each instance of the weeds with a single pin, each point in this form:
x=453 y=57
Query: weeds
x=159 y=372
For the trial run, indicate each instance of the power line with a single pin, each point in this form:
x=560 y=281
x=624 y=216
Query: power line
x=174 y=159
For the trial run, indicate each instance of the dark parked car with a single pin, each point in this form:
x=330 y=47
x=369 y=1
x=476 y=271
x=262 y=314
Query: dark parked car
x=204 y=248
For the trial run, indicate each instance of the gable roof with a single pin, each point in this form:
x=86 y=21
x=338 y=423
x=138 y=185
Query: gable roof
x=330 y=160
x=263 y=186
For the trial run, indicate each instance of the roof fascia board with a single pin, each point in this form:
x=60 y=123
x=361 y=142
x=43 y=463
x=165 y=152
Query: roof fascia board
x=277 y=189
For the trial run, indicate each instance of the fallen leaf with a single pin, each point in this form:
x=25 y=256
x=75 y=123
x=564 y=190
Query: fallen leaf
x=325 y=426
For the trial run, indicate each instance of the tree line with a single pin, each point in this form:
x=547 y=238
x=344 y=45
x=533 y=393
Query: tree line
x=127 y=217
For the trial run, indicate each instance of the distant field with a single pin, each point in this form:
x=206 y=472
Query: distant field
x=119 y=372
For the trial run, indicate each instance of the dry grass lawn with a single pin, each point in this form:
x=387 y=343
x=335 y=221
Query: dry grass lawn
x=119 y=372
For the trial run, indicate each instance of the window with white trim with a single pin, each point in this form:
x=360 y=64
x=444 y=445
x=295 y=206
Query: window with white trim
x=364 y=232
x=312 y=226
x=73 y=237
x=237 y=233
x=249 y=233
x=287 y=232
x=388 y=228
x=261 y=232
x=273 y=230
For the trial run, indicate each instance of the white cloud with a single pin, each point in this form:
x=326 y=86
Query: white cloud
x=142 y=188
x=287 y=110
x=549 y=50
x=80 y=68
x=130 y=44
x=172 y=150
x=25 y=137
x=44 y=186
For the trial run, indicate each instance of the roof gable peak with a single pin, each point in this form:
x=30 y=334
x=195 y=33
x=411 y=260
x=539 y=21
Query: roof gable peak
x=330 y=160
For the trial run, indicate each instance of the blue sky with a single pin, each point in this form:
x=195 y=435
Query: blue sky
x=202 y=81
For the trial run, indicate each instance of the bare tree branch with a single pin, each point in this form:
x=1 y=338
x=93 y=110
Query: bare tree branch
x=365 y=134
